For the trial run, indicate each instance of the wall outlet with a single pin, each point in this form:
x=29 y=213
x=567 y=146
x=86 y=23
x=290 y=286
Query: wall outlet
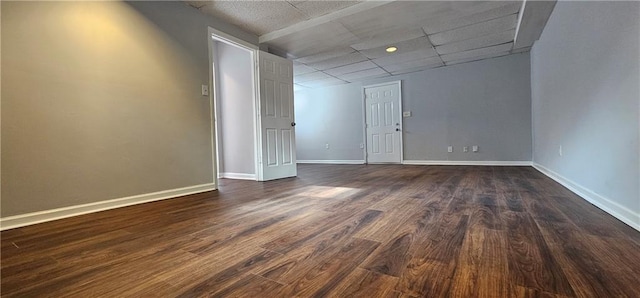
x=326 y=146
x=450 y=149
x=205 y=90
x=465 y=149
x=361 y=145
x=475 y=148
x=406 y=114
x=560 y=150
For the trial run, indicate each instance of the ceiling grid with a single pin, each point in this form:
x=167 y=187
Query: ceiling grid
x=335 y=42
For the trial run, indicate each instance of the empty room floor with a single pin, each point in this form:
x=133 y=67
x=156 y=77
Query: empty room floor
x=336 y=231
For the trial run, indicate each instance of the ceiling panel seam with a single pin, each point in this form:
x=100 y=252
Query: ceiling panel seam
x=432 y=46
x=476 y=23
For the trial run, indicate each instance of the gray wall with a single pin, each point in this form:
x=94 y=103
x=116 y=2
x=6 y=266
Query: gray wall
x=235 y=110
x=485 y=103
x=331 y=116
x=586 y=98
x=101 y=100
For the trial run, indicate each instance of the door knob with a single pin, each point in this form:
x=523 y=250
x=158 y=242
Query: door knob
x=293 y=124
x=397 y=129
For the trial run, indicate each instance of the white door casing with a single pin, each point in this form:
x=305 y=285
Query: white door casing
x=277 y=121
x=383 y=122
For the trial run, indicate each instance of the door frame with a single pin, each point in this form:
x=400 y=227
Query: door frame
x=364 y=118
x=214 y=35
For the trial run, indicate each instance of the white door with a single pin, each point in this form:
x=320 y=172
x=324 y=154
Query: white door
x=277 y=133
x=383 y=123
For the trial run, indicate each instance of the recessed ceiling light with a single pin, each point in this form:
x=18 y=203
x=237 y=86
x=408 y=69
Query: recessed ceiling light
x=391 y=49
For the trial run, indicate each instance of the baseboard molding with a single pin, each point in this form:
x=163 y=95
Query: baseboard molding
x=334 y=162
x=616 y=210
x=241 y=176
x=466 y=163
x=27 y=219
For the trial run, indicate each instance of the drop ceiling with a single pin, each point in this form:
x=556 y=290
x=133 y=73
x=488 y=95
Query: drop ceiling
x=337 y=42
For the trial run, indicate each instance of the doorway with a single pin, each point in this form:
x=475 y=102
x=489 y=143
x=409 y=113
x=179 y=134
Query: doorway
x=234 y=94
x=252 y=111
x=383 y=122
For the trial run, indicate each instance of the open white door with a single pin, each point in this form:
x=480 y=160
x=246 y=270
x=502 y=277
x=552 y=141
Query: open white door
x=383 y=119
x=277 y=133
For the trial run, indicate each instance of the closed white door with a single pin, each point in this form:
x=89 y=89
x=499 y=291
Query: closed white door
x=277 y=122
x=383 y=123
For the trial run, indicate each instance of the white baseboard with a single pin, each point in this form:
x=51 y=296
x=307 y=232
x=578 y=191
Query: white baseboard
x=607 y=205
x=241 y=176
x=27 y=219
x=466 y=163
x=334 y=162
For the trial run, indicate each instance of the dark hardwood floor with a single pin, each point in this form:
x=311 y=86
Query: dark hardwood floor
x=338 y=231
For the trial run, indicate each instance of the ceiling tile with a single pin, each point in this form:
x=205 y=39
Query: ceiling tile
x=476 y=58
x=456 y=20
x=314 y=9
x=410 y=56
x=325 y=37
x=318 y=75
x=475 y=30
x=296 y=2
x=363 y=74
x=416 y=69
x=339 y=61
x=403 y=47
x=351 y=68
x=299 y=69
x=322 y=83
x=413 y=64
x=396 y=15
x=387 y=38
x=325 y=55
x=477 y=52
x=476 y=43
x=255 y=16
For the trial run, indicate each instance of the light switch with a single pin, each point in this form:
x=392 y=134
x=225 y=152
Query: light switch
x=406 y=114
x=205 y=90
x=450 y=149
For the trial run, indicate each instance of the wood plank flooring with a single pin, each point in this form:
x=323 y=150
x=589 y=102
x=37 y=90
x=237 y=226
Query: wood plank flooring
x=338 y=231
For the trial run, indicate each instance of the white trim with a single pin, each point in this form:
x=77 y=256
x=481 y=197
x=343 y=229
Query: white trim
x=258 y=116
x=213 y=109
x=467 y=162
x=364 y=118
x=241 y=176
x=607 y=205
x=27 y=219
x=333 y=162
x=230 y=39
